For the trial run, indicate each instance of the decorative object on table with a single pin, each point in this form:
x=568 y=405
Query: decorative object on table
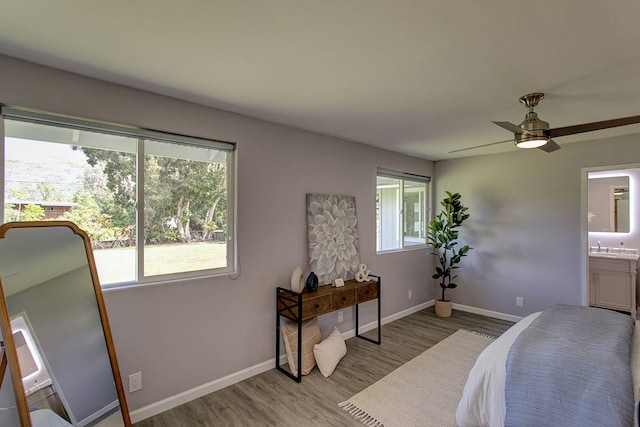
x=338 y=282
x=310 y=337
x=443 y=235
x=332 y=227
x=312 y=282
x=363 y=273
x=329 y=352
x=297 y=281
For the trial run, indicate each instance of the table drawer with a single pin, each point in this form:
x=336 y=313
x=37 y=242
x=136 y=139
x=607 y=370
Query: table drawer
x=343 y=299
x=368 y=292
x=315 y=307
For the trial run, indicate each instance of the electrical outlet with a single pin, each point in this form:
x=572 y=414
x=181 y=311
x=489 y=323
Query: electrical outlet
x=135 y=382
x=340 y=316
x=519 y=301
x=410 y=294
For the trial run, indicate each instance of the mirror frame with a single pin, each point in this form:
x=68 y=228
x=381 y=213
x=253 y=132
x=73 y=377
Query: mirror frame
x=5 y=324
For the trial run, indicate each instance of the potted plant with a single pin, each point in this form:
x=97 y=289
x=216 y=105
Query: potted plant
x=443 y=235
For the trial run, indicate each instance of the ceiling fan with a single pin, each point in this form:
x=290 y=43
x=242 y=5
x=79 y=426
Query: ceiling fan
x=535 y=133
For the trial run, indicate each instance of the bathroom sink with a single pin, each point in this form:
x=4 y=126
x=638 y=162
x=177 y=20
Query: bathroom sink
x=620 y=253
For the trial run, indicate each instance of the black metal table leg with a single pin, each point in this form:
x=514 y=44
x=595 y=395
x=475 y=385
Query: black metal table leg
x=379 y=341
x=297 y=378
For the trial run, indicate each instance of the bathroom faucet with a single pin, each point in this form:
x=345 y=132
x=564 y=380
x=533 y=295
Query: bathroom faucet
x=598 y=245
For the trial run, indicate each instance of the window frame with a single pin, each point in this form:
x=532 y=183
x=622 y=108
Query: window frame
x=64 y=121
x=402 y=177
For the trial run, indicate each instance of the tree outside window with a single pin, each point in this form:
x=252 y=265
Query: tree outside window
x=91 y=178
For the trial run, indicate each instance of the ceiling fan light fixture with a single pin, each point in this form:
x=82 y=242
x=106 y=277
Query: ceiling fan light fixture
x=535 y=133
x=531 y=142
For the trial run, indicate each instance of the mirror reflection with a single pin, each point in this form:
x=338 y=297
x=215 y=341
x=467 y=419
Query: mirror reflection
x=36 y=380
x=8 y=406
x=609 y=204
x=57 y=329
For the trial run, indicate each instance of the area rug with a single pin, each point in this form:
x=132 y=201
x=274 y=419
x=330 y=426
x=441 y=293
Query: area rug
x=426 y=390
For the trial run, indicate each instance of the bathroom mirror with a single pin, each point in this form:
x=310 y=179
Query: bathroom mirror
x=609 y=204
x=57 y=340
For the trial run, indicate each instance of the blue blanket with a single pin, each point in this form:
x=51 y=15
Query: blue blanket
x=570 y=367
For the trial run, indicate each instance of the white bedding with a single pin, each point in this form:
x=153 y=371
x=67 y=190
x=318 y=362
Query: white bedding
x=483 y=403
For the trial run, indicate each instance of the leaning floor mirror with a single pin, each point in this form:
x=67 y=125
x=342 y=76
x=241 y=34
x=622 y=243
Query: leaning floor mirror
x=62 y=367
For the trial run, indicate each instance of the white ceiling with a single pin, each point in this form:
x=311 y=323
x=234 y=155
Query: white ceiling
x=417 y=77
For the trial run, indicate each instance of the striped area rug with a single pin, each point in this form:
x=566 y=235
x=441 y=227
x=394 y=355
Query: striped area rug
x=426 y=390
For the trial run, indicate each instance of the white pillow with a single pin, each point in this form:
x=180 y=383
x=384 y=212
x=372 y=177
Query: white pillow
x=329 y=352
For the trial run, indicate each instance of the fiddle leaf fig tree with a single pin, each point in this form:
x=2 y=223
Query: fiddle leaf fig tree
x=443 y=235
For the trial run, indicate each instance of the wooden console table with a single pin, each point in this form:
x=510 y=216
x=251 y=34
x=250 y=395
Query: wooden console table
x=301 y=306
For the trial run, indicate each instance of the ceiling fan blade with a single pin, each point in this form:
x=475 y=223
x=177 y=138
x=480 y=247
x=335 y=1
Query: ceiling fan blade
x=511 y=127
x=480 y=146
x=590 y=127
x=550 y=146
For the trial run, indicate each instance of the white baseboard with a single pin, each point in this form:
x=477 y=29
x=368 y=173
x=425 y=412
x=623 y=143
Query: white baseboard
x=373 y=325
x=204 y=389
x=110 y=407
x=199 y=391
x=399 y=315
x=489 y=313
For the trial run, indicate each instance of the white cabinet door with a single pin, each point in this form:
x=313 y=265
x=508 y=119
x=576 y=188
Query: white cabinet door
x=613 y=290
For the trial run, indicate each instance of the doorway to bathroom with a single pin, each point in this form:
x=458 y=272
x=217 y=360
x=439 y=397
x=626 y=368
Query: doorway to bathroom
x=611 y=236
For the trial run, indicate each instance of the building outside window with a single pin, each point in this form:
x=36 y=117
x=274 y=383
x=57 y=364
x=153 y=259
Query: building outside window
x=156 y=206
x=401 y=210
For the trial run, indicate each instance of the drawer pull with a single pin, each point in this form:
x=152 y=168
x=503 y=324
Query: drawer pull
x=367 y=293
x=317 y=306
x=344 y=298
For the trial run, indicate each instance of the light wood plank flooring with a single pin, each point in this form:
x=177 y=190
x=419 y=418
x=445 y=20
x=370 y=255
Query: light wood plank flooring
x=272 y=399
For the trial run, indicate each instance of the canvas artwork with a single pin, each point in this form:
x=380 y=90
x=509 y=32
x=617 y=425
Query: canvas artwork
x=332 y=227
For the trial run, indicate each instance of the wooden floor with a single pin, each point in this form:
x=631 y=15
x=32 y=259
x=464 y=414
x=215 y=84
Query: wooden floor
x=272 y=399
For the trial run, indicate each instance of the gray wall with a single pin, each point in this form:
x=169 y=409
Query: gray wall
x=185 y=334
x=526 y=222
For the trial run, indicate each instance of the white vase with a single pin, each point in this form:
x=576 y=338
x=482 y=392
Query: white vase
x=297 y=282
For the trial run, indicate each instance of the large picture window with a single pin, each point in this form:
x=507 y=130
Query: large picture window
x=401 y=210
x=156 y=206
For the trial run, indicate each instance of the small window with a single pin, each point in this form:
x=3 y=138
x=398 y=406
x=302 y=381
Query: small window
x=401 y=210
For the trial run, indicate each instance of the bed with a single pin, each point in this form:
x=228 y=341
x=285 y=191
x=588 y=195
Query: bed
x=506 y=388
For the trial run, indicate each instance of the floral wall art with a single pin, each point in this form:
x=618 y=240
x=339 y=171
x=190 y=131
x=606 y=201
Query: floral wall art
x=332 y=227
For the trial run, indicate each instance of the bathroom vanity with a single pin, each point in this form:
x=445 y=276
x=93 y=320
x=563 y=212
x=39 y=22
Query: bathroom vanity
x=612 y=280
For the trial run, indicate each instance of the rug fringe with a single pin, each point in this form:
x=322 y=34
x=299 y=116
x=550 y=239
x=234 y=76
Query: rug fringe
x=478 y=333
x=359 y=414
